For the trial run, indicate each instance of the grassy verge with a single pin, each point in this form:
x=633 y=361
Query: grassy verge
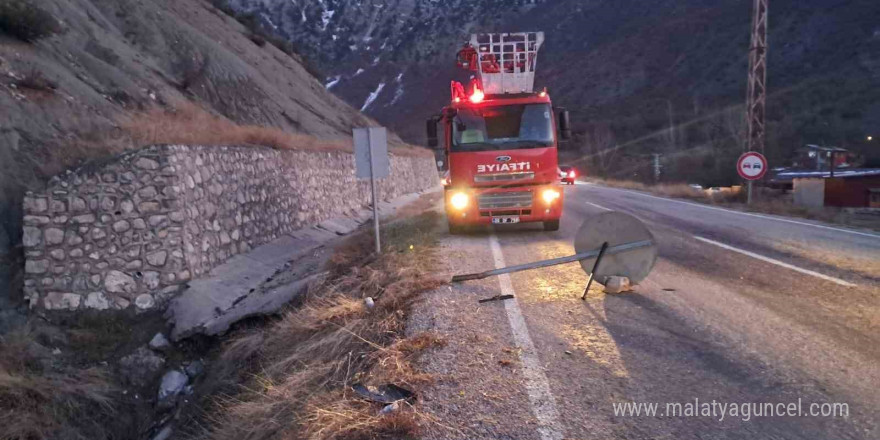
x=40 y=399
x=189 y=124
x=58 y=382
x=292 y=378
x=766 y=202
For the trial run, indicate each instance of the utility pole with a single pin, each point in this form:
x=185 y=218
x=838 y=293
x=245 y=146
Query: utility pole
x=656 y=167
x=757 y=95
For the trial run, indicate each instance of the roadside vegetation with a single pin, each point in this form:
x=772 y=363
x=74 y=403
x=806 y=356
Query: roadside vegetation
x=764 y=201
x=26 y=21
x=188 y=124
x=292 y=378
x=283 y=377
x=58 y=381
x=40 y=399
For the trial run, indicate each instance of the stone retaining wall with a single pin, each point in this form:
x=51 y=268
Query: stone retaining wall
x=132 y=231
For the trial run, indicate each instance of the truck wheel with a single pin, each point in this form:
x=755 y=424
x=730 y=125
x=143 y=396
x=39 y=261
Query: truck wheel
x=455 y=229
x=552 y=225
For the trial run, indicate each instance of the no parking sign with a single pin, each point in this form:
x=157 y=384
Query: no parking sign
x=751 y=165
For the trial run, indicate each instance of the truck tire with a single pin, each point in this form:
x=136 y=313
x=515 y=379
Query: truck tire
x=552 y=225
x=455 y=229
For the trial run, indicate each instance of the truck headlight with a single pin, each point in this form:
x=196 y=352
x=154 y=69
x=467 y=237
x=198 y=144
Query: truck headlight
x=549 y=195
x=459 y=201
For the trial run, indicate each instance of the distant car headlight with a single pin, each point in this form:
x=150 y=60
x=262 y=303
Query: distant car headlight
x=459 y=201
x=550 y=195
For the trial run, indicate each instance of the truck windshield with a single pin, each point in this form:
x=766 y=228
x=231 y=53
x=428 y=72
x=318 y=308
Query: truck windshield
x=502 y=128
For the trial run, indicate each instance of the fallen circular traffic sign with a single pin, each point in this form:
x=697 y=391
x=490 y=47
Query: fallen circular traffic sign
x=616 y=228
x=751 y=165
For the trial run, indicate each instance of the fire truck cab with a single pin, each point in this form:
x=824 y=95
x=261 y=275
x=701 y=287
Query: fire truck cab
x=500 y=137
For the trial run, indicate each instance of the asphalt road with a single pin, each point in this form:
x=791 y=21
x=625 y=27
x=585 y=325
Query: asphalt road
x=740 y=309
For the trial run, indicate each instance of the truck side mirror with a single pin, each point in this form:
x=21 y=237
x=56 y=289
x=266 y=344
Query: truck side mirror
x=564 y=125
x=431 y=129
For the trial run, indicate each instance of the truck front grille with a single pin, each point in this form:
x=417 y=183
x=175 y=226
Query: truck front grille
x=505 y=200
x=504 y=177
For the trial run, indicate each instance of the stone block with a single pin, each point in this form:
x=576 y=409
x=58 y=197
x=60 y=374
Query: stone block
x=148 y=192
x=97 y=300
x=118 y=282
x=31 y=236
x=73 y=238
x=36 y=220
x=107 y=204
x=61 y=301
x=145 y=163
x=56 y=205
x=36 y=266
x=151 y=280
x=83 y=219
x=157 y=258
x=145 y=207
x=121 y=226
x=35 y=204
x=144 y=302
x=156 y=220
x=77 y=204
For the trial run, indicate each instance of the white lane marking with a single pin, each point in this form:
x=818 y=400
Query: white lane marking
x=777 y=262
x=732 y=211
x=599 y=206
x=537 y=385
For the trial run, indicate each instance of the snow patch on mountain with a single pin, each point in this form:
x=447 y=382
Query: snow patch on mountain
x=373 y=96
x=326 y=16
x=333 y=81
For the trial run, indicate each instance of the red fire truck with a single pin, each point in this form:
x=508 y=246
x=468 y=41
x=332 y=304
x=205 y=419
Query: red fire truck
x=500 y=137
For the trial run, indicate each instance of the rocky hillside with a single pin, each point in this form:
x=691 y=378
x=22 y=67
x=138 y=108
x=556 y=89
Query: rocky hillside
x=625 y=67
x=71 y=71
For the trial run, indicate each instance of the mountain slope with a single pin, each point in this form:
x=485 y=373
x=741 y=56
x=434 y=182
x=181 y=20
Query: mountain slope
x=627 y=64
x=63 y=97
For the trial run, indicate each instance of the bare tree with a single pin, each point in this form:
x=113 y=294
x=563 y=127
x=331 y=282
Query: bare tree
x=599 y=144
x=735 y=126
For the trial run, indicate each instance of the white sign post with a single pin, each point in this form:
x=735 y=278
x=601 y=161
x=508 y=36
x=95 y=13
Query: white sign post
x=751 y=166
x=371 y=161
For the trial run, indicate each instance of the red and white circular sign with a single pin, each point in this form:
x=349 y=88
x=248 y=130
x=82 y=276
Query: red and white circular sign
x=751 y=165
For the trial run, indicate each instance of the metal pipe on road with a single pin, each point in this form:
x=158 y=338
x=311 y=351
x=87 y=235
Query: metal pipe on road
x=554 y=261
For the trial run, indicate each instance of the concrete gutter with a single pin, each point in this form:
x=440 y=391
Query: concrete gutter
x=231 y=291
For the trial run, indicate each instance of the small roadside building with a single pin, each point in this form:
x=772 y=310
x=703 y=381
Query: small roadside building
x=849 y=188
x=818 y=158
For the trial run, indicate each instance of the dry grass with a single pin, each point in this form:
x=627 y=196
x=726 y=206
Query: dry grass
x=678 y=190
x=189 y=124
x=297 y=372
x=41 y=398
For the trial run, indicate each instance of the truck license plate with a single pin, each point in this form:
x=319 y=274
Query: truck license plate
x=505 y=220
